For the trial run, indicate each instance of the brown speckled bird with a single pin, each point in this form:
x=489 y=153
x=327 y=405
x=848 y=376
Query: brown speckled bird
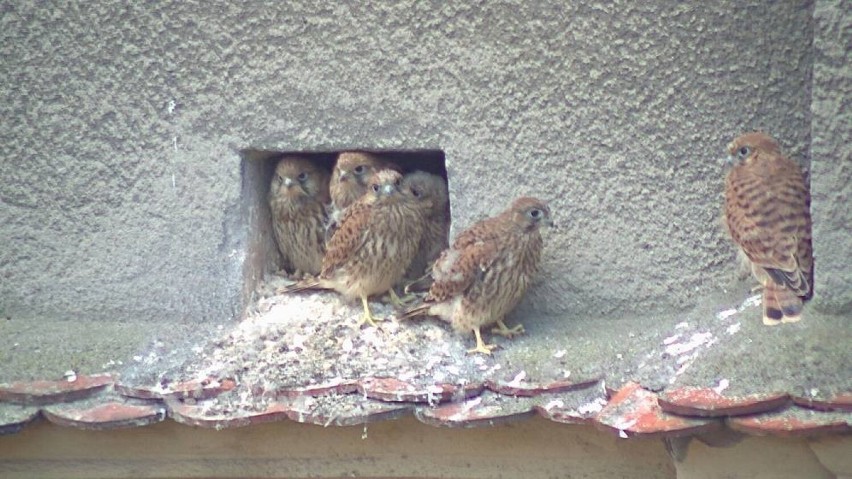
x=432 y=188
x=349 y=177
x=352 y=171
x=486 y=272
x=767 y=214
x=376 y=241
x=298 y=194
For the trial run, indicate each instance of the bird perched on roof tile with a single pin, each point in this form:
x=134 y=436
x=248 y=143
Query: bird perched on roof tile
x=298 y=194
x=767 y=212
x=486 y=272
x=378 y=237
x=428 y=187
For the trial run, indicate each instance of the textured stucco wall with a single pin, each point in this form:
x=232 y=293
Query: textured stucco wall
x=122 y=126
x=831 y=150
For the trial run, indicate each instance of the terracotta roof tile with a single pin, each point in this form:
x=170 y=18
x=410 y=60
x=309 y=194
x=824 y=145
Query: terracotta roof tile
x=518 y=387
x=47 y=392
x=573 y=407
x=196 y=389
x=394 y=390
x=793 y=421
x=486 y=409
x=14 y=417
x=706 y=402
x=837 y=402
x=111 y=414
x=634 y=411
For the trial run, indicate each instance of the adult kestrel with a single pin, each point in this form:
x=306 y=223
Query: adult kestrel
x=486 y=272
x=298 y=194
x=376 y=241
x=767 y=214
x=432 y=188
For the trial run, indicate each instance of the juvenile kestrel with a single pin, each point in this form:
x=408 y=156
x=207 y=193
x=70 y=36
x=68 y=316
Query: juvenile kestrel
x=349 y=177
x=432 y=188
x=767 y=214
x=352 y=171
x=376 y=241
x=483 y=277
x=297 y=198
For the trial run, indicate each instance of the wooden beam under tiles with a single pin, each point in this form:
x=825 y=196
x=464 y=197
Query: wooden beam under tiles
x=403 y=448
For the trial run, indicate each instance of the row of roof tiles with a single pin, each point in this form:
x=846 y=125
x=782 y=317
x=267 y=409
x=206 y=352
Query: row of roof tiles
x=104 y=402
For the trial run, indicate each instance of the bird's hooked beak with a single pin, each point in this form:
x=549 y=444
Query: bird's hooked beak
x=288 y=182
x=727 y=161
x=388 y=190
x=344 y=175
x=730 y=159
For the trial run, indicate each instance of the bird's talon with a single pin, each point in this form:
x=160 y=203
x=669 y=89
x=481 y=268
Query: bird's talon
x=400 y=303
x=506 y=331
x=482 y=348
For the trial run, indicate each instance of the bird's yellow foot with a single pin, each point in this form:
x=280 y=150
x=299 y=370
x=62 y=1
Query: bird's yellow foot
x=481 y=347
x=506 y=331
x=400 y=303
x=368 y=315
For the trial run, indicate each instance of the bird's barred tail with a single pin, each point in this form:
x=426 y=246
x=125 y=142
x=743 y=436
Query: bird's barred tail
x=301 y=286
x=421 y=310
x=780 y=305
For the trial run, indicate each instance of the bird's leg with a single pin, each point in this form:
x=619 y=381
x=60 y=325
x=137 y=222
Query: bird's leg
x=481 y=347
x=368 y=315
x=506 y=331
x=398 y=302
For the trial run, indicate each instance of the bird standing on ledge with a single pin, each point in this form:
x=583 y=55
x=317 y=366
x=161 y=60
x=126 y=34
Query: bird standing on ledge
x=376 y=241
x=767 y=212
x=487 y=271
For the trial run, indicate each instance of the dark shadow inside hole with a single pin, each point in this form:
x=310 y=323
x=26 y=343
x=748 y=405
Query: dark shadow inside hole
x=262 y=256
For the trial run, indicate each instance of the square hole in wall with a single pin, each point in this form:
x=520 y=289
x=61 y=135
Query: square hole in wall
x=258 y=167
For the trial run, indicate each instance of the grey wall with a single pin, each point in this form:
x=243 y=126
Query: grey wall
x=831 y=150
x=122 y=126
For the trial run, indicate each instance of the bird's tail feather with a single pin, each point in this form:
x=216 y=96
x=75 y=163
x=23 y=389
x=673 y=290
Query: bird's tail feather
x=304 y=285
x=780 y=305
x=421 y=310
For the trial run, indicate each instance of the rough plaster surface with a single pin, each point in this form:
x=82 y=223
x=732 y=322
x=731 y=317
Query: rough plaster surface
x=831 y=150
x=122 y=126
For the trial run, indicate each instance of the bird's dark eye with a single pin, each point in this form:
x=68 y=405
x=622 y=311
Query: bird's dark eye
x=375 y=188
x=744 y=151
x=397 y=183
x=303 y=176
x=280 y=179
x=535 y=214
x=359 y=169
x=416 y=193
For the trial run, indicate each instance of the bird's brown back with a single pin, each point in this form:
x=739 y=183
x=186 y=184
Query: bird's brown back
x=767 y=207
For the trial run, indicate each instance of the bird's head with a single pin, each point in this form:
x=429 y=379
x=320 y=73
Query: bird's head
x=296 y=178
x=356 y=167
x=385 y=186
x=429 y=190
x=747 y=148
x=531 y=213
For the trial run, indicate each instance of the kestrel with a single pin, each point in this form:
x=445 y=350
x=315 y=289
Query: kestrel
x=298 y=194
x=767 y=214
x=486 y=272
x=349 y=177
x=376 y=241
x=432 y=188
